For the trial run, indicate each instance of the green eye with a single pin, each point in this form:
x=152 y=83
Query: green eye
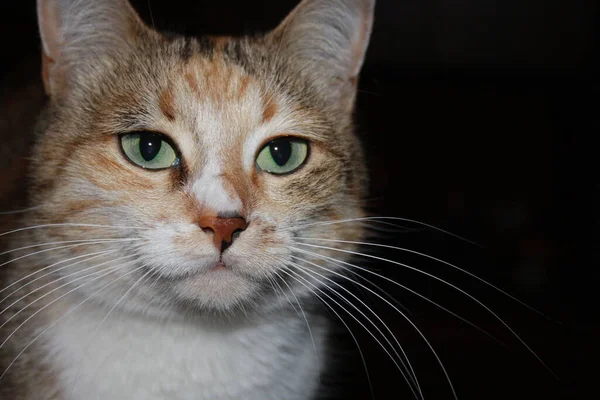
x=149 y=150
x=282 y=155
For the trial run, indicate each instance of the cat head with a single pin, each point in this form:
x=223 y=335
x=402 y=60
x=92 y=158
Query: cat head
x=199 y=162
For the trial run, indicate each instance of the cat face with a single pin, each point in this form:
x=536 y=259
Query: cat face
x=199 y=160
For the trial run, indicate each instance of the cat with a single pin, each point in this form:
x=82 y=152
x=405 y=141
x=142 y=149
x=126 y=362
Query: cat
x=172 y=182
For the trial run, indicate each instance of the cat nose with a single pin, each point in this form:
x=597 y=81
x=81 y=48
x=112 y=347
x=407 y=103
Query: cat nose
x=224 y=230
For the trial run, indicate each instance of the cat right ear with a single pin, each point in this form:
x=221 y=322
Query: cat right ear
x=328 y=40
x=76 y=34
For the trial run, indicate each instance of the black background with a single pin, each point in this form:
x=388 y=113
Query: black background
x=478 y=117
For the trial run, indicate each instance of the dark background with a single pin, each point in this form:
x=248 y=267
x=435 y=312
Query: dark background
x=478 y=117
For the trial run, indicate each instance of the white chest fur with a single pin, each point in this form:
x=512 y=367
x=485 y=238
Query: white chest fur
x=133 y=359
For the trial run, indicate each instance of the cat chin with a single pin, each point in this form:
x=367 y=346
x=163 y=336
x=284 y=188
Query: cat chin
x=217 y=290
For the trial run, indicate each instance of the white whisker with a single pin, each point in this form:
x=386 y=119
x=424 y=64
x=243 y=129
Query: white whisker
x=275 y=282
x=402 y=371
x=145 y=275
x=342 y=264
x=110 y=269
x=68 y=224
x=59 y=287
x=341 y=221
x=305 y=320
x=434 y=259
x=64 y=315
x=396 y=228
x=90 y=256
x=70 y=246
x=338 y=262
x=446 y=283
x=362 y=357
x=86 y=241
x=24 y=210
x=408 y=366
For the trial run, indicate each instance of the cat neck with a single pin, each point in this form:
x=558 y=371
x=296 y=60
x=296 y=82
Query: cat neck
x=205 y=360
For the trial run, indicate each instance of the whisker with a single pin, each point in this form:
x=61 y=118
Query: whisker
x=54 y=281
x=275 y=282
x=110 y=269
x=64 y=315
x=391 y=298
x=305 y=320
x=408 y=365
x=47 y=250
x=402 y=371
x=340 y=221
x=101 y=240
x=434 y=259
x=362 y=357
x=333 y=260
x=155 y=280
x=94 y=255
x=68 y=224
x=24 y=210
x=151 y=16
x=396 y=228
x=148 y=275
x=446 y=283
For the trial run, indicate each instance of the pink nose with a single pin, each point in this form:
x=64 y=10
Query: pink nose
x=223 y=229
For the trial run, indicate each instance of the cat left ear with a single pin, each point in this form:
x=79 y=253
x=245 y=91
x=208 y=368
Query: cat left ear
x=77 y=33
x=328 y=39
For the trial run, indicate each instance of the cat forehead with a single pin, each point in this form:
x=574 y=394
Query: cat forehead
x=209 y=103
x=212 y=101
x=222 y=95
x=210 y=107
x=224 y=86
x=220 y=112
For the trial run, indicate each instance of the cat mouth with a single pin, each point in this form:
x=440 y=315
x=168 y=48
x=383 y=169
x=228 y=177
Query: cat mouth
x=219 y=266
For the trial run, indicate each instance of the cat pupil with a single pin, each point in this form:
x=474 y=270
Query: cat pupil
x=150 y=144
x=281 y=151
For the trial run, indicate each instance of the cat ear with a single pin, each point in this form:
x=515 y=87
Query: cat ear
x=76 y=33
x=329 y=39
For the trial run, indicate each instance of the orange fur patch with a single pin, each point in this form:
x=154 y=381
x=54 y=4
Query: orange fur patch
x=243 y=87
x=115 y=176
x=166 y=104
x=192 y=82
x=270 y=109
